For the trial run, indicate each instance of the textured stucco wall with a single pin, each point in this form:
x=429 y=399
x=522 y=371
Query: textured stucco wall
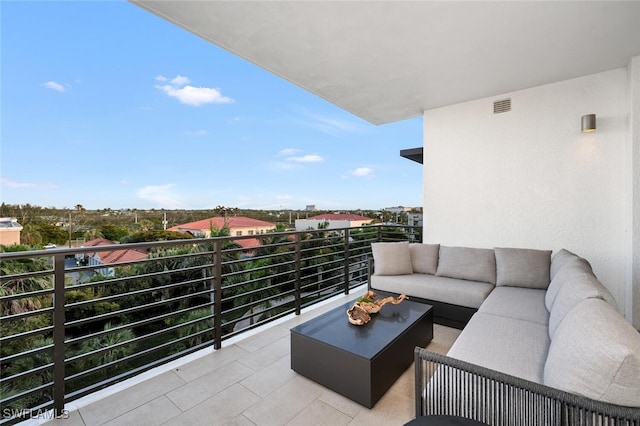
x=632 y=307
x=530 y=178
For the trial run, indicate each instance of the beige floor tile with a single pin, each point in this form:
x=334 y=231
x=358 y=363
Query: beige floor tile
x=210 y=362
x=392 y=409
x=155 y=412
x=262 y=339
x=220 y=409
x=284 y=403
x=268 y=354
x=206 y=386
x=319 y=413
x=240 y=421
x=270 y=378
x=126 y=400
x=341 y=403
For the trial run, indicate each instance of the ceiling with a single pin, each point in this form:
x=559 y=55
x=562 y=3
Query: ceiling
x=387 y=61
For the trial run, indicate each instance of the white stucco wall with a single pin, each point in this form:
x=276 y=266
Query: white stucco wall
x=530 y=178
x=632 y=307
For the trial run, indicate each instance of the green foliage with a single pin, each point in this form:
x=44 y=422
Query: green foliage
x=113 y=232
x=155 y=235
x=50 y=233
x=89 y=310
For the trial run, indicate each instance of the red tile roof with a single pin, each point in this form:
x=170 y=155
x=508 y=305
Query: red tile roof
x=219 y=222
x=114 y=256
x=248 y=242
x=345 y=216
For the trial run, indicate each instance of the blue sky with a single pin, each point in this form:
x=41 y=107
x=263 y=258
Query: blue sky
x=106 y=105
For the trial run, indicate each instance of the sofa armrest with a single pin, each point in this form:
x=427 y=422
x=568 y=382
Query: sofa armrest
x=448 y=386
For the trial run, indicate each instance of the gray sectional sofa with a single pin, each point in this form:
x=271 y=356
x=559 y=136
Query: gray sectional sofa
x=540 y=321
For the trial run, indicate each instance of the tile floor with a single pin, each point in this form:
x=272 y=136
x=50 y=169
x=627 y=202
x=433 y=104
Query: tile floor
x=247 y=382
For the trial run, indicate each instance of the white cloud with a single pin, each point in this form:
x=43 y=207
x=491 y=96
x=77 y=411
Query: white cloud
x=327 y=124
x=54 y=86
x=309 y=158
x=179 y=88
x=288 y=151
x=8 y=183
x=161 y=195
x=361 y=172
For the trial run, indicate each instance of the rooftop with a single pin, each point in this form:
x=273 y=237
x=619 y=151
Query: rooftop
x=219 y=222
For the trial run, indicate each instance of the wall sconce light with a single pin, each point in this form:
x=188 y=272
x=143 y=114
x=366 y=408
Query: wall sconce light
x=588 y=123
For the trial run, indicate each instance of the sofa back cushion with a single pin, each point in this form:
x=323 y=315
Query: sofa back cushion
x=571 y=294
x=517 y=267
x=391 y=258
x=596 y=353
x=575 y=269
x=560 y=259
x=466 y=263
x=424 y=258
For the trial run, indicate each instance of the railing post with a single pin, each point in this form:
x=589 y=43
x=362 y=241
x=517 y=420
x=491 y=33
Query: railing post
x=58 y=334
x=217 y=291
x=298 y=301
x=346 y=261
x=380 y=233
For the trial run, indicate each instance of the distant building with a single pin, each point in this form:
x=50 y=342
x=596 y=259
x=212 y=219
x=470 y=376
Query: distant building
x=9 y=231
x=238 y=226
x=332 y=221
x=310 y=208
x=108 y=257
x=399 y=209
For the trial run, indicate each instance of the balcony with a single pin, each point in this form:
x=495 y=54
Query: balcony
x=198 y=329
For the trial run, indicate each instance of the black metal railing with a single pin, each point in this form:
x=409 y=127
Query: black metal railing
x=72 y=323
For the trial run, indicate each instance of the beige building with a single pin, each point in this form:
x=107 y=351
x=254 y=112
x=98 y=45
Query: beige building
x=238 y=226
x=9 y=231
x=333 y=221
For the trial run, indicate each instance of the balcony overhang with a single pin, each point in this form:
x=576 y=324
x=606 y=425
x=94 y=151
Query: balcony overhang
x=391 y=60
x=413 y=154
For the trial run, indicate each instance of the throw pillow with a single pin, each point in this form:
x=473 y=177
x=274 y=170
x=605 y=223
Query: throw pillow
x=522 y=267
x=562 y=258
x=474 y=264
x=424 y=258
x=391 y=258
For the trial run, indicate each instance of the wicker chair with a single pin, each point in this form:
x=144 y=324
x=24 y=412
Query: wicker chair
x=447 y=386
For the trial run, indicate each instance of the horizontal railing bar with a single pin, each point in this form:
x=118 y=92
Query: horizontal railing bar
x=300 y=268
x=22 y=335
x=23 y=394
x=23 y=315
x=133 y=372
x=133 y=309
x=123 y=359
x=136 y=292
x=137 y=323
x=31 y=372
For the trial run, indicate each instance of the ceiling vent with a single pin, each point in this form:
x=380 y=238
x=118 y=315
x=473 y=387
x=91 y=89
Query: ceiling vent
x=503 y=105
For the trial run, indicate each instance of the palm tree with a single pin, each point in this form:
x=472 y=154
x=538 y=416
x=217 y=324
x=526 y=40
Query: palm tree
x=257 y=286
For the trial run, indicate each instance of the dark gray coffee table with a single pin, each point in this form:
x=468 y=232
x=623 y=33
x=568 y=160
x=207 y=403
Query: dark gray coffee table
x=361 y=362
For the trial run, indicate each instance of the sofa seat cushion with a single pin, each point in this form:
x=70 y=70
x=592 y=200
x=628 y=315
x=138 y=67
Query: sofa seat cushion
x=512 y=346
x=392 y=258
x=474 y=264
x=448 y=290
x=424 y=258
x=526 y=304
x=596 y=353
x=518 y=267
